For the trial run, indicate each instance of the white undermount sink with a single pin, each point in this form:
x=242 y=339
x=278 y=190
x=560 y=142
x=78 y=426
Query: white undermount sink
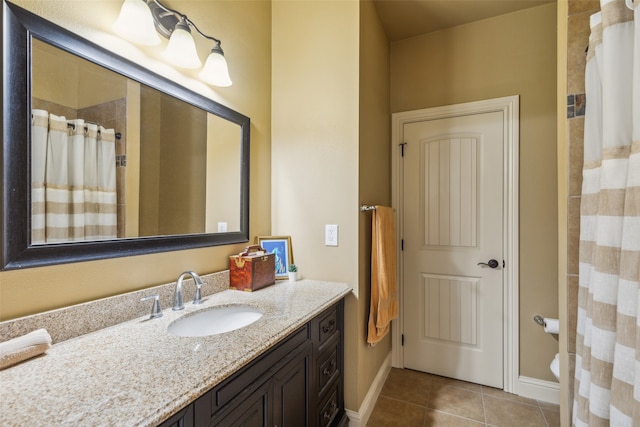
x=214 y=320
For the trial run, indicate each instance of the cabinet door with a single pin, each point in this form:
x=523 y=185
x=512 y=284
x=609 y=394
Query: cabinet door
x=291 y=391
x=253 y=411
x=183 y=418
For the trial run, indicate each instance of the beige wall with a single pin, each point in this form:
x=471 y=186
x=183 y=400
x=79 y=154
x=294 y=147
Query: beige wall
x=150 y=150
x=132 y=170
x=374 y=173
x=182 y=177
x=561 y=103
x=512 y=54
x=66 y=80
x=330 y=116
x=245 y=29
x=315 y=147
x=223 y=199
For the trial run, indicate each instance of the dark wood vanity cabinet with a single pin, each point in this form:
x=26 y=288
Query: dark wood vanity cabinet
x=297 y=383
x=183 y=418
x=327 y=335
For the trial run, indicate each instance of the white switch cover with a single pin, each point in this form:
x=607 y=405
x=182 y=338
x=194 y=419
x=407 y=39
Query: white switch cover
x=222 y=227
x=331 y=235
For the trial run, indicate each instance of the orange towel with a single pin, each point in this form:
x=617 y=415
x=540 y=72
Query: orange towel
x=384 y=300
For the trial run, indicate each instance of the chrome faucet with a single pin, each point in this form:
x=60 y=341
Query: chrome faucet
x=177 y=295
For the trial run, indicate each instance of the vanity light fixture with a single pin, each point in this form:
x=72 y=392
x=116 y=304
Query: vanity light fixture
x=140 y=21
x=135 y=23
x=181 y=50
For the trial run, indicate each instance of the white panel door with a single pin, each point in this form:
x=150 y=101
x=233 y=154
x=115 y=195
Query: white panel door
x=452 y=214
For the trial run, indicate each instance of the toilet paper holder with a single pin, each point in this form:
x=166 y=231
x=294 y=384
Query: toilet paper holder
x=551 y=326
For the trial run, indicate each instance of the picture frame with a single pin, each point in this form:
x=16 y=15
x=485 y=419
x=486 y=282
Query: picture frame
x=281 y=247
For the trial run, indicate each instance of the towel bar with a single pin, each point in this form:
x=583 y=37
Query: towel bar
x=365 y=208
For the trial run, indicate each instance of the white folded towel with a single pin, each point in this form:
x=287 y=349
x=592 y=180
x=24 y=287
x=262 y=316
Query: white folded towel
x=25 y=347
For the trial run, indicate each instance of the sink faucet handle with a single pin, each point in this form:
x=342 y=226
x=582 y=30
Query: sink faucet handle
x=197 y=298
x=156 y=310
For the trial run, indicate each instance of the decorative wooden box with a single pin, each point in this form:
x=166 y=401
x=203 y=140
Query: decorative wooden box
x=252 y=269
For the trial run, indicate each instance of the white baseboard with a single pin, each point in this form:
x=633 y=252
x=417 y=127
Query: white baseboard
x=360 y=418
x=532 y=388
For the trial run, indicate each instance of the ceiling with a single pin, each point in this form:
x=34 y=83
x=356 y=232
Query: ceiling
x=402 y=19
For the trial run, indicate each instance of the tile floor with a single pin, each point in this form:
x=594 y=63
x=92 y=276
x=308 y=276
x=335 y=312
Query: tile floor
x=416 y=399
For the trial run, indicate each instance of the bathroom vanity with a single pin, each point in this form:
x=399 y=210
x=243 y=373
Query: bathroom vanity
x=286 y=368
x=299 y=382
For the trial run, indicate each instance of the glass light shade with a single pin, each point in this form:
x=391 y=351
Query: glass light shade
x=181 y=50
x=215 y=70
x=135 y=23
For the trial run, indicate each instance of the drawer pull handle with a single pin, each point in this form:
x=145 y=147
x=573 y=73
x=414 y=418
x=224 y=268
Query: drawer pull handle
x=328 y=414
x=329 y=327
x=330 y=369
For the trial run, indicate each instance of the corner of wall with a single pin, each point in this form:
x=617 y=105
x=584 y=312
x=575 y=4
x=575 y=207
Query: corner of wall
x=562 y=11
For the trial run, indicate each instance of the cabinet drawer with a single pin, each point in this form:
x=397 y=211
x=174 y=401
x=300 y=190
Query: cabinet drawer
x=329 y=408
x=328 y=325
x=328 y=365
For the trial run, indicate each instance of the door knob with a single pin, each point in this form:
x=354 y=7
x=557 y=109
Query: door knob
x=492 y=263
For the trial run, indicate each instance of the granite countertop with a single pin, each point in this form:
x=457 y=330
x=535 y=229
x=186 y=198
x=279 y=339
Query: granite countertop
x=137 y=374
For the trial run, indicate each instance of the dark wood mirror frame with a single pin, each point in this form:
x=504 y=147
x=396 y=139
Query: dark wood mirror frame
x=19 y=27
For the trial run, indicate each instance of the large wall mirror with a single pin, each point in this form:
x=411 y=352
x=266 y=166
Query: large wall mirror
x=103 y=158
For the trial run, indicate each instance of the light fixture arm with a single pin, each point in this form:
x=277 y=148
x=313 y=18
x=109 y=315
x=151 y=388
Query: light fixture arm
x=166 y=20
x=141 y=20
x=217 y=41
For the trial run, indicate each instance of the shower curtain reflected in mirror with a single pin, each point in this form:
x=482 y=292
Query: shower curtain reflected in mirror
x=607 y=371
x=73 y=180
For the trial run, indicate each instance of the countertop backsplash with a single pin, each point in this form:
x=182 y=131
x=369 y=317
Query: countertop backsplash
x=80 y=319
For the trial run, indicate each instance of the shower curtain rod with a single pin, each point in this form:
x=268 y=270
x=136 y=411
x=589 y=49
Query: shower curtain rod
x=73 y=125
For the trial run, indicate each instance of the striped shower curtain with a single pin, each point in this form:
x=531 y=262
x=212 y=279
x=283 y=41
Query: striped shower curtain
x=73 y=180
x=607 y=371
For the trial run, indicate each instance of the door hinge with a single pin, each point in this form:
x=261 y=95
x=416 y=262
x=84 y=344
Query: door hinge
x=402 y=339
x=402 y=148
